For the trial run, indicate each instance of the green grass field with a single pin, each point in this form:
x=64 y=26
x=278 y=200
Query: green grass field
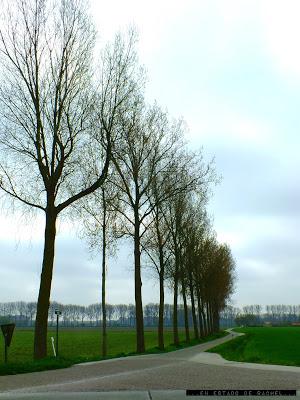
x=266 y=345
x=79 y=345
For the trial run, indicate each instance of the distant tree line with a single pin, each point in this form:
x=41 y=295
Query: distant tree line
x=123 y=315
x=118 y=315
x=255 y=315
x=78 y=138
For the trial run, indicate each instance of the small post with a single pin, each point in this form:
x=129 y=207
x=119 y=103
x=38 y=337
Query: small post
x=53 y=346
x=57 y=317
x=58 y=313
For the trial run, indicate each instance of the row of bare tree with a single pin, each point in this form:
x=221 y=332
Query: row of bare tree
x=123 y=315
x=77 y=137
x=255 y=314
x=118 y=315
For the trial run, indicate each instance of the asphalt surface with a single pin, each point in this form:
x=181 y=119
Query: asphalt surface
x=156 y=376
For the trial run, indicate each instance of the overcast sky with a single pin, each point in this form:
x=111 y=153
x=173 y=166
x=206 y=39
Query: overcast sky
x=232 y=70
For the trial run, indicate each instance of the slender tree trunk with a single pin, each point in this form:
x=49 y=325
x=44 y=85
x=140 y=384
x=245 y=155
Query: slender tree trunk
x=104 y=333
x=211 y=317
x=196 y=332
x=161 y=344
x=200 y=316
x=175 y=316
x=205 y=319
x=186 y=315
x=41 y=321
x=140 y=338
x=216 y=319
x=208 y=317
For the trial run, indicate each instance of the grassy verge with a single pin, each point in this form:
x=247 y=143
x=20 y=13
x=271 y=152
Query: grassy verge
x=48 y=363
x=83 y=345
x=265 y=345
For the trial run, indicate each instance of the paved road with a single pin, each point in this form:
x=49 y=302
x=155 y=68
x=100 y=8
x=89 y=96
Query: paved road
x=183 y=369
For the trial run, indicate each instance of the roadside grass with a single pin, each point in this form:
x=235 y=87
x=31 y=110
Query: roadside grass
x=264 y=345
x=82 y=345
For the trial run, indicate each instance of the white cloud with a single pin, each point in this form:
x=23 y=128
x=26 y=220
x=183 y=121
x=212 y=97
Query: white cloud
x=281 y=32
x=27 y=228
x=152 y=19
x=212 y=122
x=18 y=227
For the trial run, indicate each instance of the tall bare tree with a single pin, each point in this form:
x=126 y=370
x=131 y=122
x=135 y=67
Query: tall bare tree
x=99 y=220
x=53 y=119
x=174 y=218
x=169 y=195
x=164 y=187
x=155 y=245
x=196 y=228
x=146 y=151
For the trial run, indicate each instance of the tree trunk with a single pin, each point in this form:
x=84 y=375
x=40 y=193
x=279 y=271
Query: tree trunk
x=208 y=317
x=161 y=344
x=213 y=321
x=196 y=332
x=140 y=339
x=41 y=322
x=211 y=317
x=175 y=317
x=200 y=316
x=186 y=313
x=104 y=333
x=216 y=317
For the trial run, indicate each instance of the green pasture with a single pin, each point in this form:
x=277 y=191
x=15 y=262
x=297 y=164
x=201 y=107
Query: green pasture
x=266 y=345
x=80 y=345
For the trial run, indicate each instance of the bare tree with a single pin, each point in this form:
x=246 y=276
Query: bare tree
x=31 y=309
x=213 y=279
x=197 y=226
x=174 y=219
x=170 y=196
x=99 y=219
x=222 y=285
x=53 y=118
x=147 y=151
x=155 y=245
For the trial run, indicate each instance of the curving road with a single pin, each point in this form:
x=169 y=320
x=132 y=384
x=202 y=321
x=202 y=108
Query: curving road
x=179 y=370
